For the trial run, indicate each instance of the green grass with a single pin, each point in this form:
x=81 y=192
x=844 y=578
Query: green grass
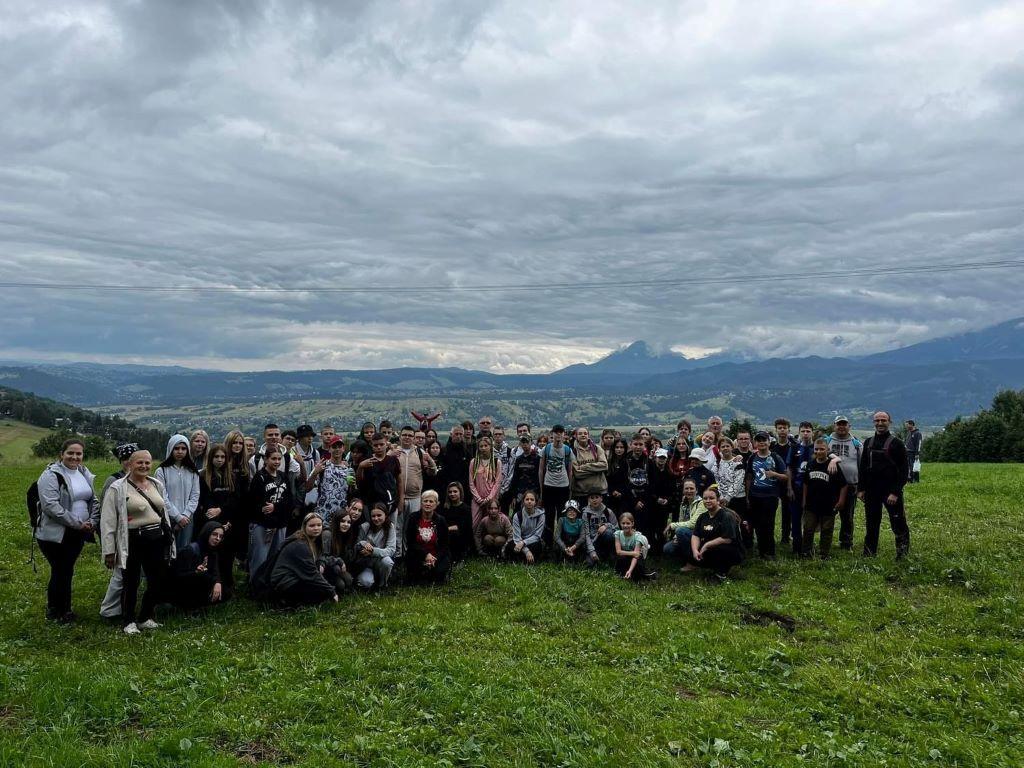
x=918 y=663
x=17 y=439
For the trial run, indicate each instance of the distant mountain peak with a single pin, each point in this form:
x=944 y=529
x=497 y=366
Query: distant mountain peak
x=637 y=358
x=641 y=349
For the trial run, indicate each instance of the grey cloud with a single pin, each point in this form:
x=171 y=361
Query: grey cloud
x=489 y=143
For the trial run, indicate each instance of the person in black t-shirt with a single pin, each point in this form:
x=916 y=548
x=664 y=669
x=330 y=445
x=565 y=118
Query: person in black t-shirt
x=824 y=494
x=717 y=543
x=378 y=477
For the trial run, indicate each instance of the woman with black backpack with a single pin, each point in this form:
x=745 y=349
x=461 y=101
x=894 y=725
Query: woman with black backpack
x=135 y=535
x=68 y=515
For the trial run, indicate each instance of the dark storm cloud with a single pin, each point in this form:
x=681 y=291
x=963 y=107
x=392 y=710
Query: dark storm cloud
x=464 y=144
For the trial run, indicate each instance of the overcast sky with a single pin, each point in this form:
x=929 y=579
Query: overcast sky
x=374 y=145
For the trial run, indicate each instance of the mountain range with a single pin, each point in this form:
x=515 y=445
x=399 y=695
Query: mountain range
x=933 y=380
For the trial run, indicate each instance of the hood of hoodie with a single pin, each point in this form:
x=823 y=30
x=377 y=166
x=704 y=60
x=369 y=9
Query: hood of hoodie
x=204 y=535
x=175 y=439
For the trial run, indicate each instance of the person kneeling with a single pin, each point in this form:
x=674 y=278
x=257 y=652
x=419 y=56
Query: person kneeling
x=375 y=550
x=493 y=532
x=716 y=543
x=570 y=537
x=631 y=548
x=195 y=572
x=297 y=578
x=527 y=531
x=599 y=525
x=427 y=558
x=678 y=532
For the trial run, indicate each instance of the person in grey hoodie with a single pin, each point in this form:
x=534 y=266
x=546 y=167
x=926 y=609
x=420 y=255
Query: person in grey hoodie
x=599 y=526
x=527 y=531
x=180 y=479
x=68 y=516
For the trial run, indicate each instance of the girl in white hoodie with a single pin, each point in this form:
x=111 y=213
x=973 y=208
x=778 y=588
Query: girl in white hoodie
x=179 y=477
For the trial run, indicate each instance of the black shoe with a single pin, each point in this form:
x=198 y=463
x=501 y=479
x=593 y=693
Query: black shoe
x=68 y=617
x=52 y=614
x=785 y=540
x=651 y=575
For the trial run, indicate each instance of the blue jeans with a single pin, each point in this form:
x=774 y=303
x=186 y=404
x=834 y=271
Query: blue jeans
x=679 y=545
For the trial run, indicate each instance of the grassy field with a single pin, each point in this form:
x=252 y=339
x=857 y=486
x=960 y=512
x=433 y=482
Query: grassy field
x=917 y=663
x=17 y=439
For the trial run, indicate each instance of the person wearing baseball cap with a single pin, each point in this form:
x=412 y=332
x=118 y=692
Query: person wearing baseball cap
x=698 y=470
x=844 y=456
x=766 y=474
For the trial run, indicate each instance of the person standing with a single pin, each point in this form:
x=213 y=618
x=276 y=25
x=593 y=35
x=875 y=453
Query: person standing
x=590 y=468
x=788 y=449
x=844 y=456
x=68 y=515
x=765 y=475
x=180 y=480
x=135 y=535
x=883 y=473
x=415 y=465
x=556 y=477
x=914 y=440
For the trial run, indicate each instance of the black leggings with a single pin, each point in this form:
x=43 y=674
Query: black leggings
x=718 y=559
x=62 y=556
x=143 y=555
x=762 y=516
x=418 y=573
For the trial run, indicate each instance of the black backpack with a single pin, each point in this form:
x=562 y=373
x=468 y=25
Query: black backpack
x=33 y=502
x=35 y=512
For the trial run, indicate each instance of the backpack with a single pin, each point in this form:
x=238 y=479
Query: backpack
x=385 y=488
x=35 y=512
x=869 y=445
x=35 y=504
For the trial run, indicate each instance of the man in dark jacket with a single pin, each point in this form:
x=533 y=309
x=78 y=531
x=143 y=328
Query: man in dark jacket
x=914 y=440
x=883 y=473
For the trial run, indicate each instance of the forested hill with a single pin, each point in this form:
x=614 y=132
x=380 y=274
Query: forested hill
x=61 y=417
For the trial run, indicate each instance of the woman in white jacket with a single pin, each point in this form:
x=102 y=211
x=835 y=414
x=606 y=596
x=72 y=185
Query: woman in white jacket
x=135 y=535
x=178 y=475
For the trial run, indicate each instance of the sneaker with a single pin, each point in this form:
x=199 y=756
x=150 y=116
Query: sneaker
x=688 y=568
x=651 y=575
x=132 y=629
x=149 y=624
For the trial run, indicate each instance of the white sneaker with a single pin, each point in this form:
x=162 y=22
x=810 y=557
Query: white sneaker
x=149 y=624
x=132 y=629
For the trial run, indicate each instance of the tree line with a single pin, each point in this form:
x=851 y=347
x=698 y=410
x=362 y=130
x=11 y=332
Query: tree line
x=100 y=432
x=993 y=434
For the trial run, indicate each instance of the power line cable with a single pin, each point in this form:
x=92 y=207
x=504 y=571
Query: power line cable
x=696 y=280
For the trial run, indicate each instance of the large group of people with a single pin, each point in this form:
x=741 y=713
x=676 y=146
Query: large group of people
x=308 y=515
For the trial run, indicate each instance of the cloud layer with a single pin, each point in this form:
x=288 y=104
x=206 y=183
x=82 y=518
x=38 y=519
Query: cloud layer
x=368 y=145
